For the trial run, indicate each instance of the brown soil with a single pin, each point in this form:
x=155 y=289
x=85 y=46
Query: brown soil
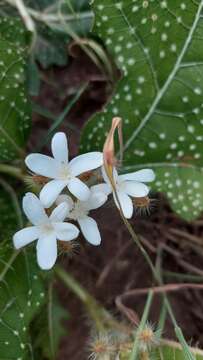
x=128 y=269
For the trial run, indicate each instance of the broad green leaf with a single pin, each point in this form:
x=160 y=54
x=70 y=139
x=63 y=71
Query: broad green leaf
x=21 y=286
x=21 y=296
x=48 y=328
x=14 y=105
x=158 y=47
x=13 y=30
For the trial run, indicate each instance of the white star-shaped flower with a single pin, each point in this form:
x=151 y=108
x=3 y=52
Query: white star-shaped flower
x=127 y=185
x=47 y=230
x=63 y=172
x=79 y=212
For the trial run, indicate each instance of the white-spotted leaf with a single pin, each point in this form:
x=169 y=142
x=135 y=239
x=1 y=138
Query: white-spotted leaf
x=158 y=47
x=21 y=286
x=22 y=294
x=14 y=105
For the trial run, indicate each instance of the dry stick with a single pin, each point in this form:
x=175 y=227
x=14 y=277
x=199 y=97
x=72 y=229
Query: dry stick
x=177 y=255
x=161 y=289
x=196 y=247
x=187 y=236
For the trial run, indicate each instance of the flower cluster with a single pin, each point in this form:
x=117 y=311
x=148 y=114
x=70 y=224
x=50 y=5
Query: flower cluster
x=65 y=197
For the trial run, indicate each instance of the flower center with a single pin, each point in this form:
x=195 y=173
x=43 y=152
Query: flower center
x=79 y=210
x=65 y=173
x=47 y=228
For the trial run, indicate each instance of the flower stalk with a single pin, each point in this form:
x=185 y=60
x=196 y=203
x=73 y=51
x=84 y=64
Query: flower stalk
x=109 y=161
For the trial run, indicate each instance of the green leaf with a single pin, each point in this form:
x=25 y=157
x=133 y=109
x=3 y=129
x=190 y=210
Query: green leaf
x=48 y=329
x=14 y=106
x=21 y=286
x=158 y=48
x=50 y=48
x=21 y=296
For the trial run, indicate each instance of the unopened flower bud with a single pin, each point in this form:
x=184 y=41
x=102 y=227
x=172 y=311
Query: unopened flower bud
x=109 y=156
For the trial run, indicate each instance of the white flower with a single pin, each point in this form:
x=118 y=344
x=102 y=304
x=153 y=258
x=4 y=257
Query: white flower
x=127 y=185
x=62 y=171
x=79 y=211
x=45 y=229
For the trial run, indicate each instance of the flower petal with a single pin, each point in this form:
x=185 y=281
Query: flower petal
x=25 y=236
x=34 y=209
x=126 y=204
x=105 y=177
x=134 y=188
x=66 y=231
x=104 y=188
x=96 y=199
x=67 y=199
x=86 y=162
x=59 y=147
x=51 y=191
x=60 y=212
x=90 y=230
x=78 y=189
x=145 y=175
x=47 y=251
x=43 y=165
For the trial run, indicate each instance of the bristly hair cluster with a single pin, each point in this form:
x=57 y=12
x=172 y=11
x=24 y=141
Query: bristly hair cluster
x=144 y=205
x=148 y=338
x=101 y=346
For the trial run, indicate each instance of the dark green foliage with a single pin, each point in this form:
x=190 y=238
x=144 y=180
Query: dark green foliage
x=158 y=47
x=14 y=105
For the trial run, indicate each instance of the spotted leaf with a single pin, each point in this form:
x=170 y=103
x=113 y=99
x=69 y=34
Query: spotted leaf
x=22 y=295
x=21 y=287
x=14 y=105
x=158 y=47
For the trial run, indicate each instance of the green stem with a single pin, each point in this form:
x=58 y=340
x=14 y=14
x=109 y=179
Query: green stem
x=12 y=171
x=143 y=321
